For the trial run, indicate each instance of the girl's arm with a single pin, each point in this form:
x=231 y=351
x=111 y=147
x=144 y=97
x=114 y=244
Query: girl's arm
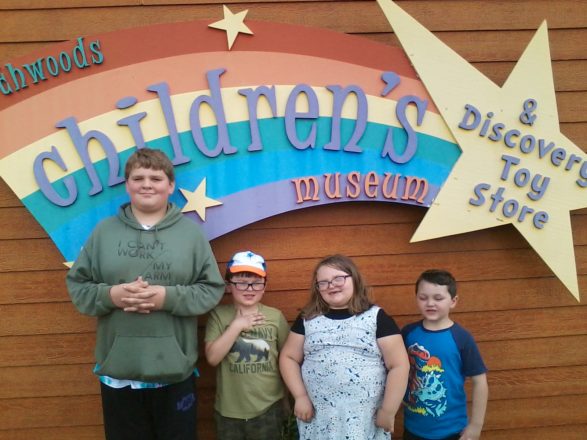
x=290 y=361
x=479 y=397
x=396 y=360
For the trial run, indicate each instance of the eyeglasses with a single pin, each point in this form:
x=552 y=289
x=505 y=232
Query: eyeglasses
x=241 y=285
x=337 y=281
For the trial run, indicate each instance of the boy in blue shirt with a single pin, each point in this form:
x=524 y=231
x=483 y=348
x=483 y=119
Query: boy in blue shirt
x=442 y=355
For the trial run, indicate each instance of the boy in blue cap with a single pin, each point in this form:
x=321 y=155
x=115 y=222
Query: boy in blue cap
x=243 y=339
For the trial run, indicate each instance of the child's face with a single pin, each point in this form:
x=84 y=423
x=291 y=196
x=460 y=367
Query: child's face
x=435 y=303
x=337 y=297
x=149 y=189
x=248 y=296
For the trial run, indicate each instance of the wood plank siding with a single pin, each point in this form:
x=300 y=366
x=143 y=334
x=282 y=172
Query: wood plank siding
x=531 y=331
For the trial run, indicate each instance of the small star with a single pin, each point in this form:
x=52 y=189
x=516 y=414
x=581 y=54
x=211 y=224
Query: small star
x=232 y=24
x=198 y=201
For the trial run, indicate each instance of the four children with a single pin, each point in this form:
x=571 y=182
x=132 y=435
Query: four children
x=344 y=361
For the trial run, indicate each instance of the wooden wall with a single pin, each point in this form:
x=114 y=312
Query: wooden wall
x=532 y=333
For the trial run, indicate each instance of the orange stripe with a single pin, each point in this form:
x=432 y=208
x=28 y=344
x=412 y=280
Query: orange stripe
x=136 y=45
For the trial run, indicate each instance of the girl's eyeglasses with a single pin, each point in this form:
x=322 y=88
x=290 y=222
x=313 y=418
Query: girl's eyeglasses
x=334 y=282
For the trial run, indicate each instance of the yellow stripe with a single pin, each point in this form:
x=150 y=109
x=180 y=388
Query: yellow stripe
x=21 y=179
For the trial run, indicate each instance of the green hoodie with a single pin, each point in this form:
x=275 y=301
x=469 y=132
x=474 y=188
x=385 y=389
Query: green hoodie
x=160 y=346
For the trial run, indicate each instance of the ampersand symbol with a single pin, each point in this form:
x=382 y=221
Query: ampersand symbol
x=527 y=117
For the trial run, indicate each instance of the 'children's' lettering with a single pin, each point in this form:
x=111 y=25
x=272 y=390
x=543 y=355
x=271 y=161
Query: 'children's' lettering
x=301 y=130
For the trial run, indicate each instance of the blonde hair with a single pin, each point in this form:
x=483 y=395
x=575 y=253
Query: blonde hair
x=360 y=301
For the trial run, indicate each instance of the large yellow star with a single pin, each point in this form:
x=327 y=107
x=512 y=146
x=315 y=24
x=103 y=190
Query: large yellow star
x=233 y=24
x=198 y=201
x=536 y=154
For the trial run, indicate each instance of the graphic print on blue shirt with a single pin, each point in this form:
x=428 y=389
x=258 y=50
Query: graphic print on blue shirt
x=426 y=391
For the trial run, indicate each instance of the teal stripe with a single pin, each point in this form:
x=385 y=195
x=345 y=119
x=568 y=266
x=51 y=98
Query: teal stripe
x=277 y=161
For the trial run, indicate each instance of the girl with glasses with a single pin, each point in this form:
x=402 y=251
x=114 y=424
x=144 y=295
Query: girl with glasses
x=344 y=360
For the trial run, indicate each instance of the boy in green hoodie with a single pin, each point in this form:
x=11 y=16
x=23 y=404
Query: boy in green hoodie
x=146 y=274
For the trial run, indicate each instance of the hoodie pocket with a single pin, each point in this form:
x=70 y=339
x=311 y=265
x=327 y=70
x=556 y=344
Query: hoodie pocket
x=146 y=358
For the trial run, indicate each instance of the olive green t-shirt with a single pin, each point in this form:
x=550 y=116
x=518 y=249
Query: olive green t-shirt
x=248 y=380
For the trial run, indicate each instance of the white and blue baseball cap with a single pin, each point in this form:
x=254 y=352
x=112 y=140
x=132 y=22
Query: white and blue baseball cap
x=247 y=261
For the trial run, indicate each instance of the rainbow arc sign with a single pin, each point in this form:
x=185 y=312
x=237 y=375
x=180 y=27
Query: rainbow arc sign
x=261 y=118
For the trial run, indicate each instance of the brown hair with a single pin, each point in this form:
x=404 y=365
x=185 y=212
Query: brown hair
x=150 y=159
x=360 y=300
x=441 y=278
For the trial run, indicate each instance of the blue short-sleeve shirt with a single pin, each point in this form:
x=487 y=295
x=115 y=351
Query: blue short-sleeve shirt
x=440 y=361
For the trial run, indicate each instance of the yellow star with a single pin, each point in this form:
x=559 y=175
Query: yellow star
x=536 y=154
x=198 y=201
x=232 y=24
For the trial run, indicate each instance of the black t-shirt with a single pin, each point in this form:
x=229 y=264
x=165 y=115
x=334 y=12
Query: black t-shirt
x=386 y=326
